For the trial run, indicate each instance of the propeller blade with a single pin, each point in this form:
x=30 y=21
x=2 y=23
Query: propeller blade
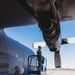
x=57 y=59
x=36 y=44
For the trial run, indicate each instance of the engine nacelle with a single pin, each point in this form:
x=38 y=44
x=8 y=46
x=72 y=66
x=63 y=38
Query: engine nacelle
x=51 y=32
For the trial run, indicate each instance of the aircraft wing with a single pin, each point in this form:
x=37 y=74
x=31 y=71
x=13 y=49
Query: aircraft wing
x=13 y=14
x=67 y=9
x=18 y=13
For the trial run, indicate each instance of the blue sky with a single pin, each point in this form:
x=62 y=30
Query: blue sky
x=30 y=34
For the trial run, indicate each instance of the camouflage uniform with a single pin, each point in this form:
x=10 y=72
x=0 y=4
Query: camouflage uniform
x=17 y=73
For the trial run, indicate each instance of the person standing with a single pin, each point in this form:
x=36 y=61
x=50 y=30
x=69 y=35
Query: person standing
x=39 y=55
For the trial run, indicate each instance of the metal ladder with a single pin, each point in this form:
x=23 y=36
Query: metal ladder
x=33 y=66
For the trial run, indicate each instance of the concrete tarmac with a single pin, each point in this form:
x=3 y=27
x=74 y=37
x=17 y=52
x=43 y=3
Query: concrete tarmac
x=60 y=72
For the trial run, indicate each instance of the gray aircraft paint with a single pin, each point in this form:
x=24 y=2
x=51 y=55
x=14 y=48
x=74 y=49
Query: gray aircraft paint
x=15 y=49
x=8 y=63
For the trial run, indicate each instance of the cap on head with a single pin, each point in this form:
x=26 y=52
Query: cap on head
x=39 y=47
x=17 y=67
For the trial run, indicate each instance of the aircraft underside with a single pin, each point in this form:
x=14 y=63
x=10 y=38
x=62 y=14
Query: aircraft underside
x=47 y=13
x=18 y=13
